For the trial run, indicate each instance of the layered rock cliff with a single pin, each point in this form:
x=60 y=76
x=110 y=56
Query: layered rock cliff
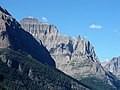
x=75 y=57
x=25 y=64
x=14 y=37
x=69 y=54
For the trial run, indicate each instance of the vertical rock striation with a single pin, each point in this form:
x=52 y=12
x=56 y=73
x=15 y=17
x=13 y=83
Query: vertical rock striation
x=74 y=56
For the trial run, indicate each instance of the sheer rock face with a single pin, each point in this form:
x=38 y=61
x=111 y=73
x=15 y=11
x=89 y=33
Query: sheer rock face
x=113 y=66
x=74 y=56
x=14 y=37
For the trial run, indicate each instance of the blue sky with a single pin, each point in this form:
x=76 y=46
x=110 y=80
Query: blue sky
x=97 y=20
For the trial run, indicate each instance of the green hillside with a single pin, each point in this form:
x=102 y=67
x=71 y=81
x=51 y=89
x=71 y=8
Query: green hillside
x=22 y=72
x=96 y=84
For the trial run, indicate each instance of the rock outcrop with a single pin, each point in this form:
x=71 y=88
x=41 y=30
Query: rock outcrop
x=113 y=66
x=74 y=56
x=14 y=37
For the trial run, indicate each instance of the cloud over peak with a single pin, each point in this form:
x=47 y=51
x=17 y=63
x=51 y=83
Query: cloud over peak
x=96 y=26
x=44 y=19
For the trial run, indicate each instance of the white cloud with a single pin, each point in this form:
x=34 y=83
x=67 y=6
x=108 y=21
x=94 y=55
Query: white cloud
x=96 y=26
x=44 y=19
x=30 y=17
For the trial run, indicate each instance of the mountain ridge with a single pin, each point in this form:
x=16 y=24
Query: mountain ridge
x=26 y=64
x=74 y=56
x=14 y=37
x=113 y=65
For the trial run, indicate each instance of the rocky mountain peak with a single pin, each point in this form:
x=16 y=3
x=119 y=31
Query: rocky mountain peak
x=30 y=19
x=2 y=10
x=13 y=36
x=74 y=56
x=113 y=65
x=33 y=23
x=67 y=52
x=7 y=20
x=78 y=38
x=105 y=62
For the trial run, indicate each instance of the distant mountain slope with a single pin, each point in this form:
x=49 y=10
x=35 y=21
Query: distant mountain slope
x=14 y=37
x=97 y=84
x=74 y=56
x=113 y=66
x=21 y=72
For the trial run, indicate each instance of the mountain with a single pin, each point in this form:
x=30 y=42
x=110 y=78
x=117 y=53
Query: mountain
x=113 y=66
x=74 y=56
x=21 y=72
x=25 y=64
x=69 y=54
x=14 y=37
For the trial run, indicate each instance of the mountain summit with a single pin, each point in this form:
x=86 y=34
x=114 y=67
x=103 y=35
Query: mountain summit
x=74 y=56
x=25 y=64
x=71 y=55
x=113 y=66
x=14 y=37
